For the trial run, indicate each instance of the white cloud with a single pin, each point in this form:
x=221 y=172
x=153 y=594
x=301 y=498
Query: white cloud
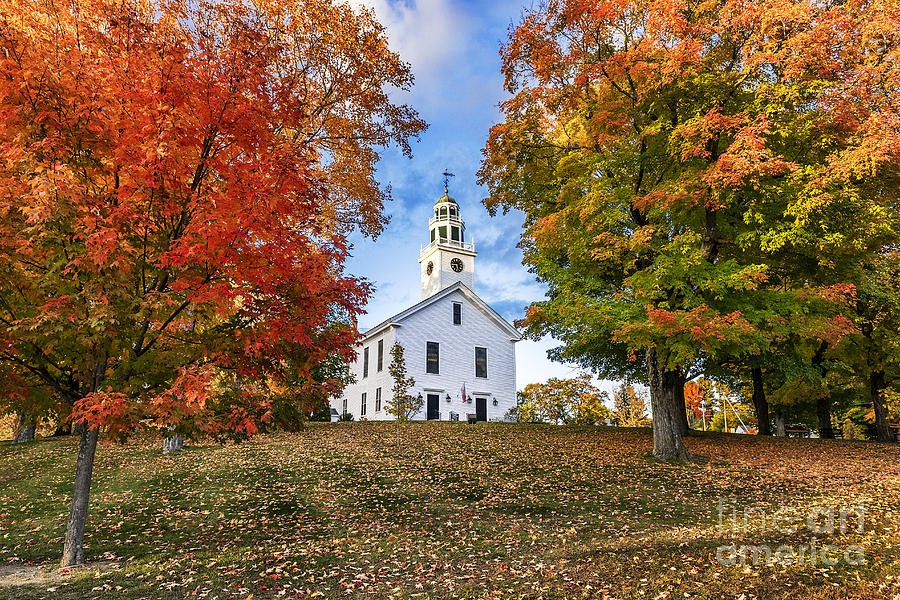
x=452 y=48
x=504 y=282
x=431 y=35
x=453 y=51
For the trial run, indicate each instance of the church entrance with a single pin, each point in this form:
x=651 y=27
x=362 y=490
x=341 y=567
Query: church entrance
x=481 y=408
x=432 y=412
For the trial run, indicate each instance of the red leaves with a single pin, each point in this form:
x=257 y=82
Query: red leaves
x=187 y=398
x=177 y=185
x=106 y=408
x=838 y=292
x=693 y=398
x=747 y=160
x=702 y=324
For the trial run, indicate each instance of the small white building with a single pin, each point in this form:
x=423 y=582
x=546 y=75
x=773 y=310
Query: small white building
x=460 y=352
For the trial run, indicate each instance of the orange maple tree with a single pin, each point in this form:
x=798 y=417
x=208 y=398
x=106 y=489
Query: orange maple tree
x=177 y=183
x=693 y=399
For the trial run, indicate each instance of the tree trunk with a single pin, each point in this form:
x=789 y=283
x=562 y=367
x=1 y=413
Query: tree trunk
x=173 y=442
x=301 y=421
x=301 y=414
x=779 y=424
x=667 y=437
x=73 y=550
x=679 y=400
x=876 y=387
x=725 y=414
x=25 y=431
x=26 y=434
x=823 y=405
x=823 y=412
x=760 y=404
x=64 y=429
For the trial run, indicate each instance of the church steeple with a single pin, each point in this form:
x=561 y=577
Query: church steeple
x=446 y=224
x=447 y=258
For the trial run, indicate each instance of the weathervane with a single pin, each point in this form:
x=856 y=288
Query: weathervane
x=447 y=175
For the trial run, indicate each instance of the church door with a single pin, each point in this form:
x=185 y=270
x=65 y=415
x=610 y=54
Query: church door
x=433 y=412
x=481 y=408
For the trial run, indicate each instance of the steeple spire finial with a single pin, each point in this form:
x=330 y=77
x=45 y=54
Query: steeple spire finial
x=447 y=175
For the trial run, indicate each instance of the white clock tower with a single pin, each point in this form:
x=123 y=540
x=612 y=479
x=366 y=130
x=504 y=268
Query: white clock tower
x=460 y=351
x=448 y=258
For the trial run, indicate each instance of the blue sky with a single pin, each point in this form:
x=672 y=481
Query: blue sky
x=453 y=47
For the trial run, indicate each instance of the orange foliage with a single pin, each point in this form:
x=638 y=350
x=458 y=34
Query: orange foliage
x=177 y=184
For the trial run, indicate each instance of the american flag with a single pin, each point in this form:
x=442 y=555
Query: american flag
x=463 y=392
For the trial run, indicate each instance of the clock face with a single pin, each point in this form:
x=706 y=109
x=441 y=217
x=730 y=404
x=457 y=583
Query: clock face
x=457 y=265
x=429 y=267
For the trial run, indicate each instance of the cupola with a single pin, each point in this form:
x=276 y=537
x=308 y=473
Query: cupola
x=446 y=225
x=448 y=258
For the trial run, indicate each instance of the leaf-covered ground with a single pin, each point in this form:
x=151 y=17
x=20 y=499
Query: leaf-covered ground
x=493 y=510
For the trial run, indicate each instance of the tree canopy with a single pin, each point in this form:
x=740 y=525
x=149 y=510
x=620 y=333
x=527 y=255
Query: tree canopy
x=700 y=181
x=177 y=185
x=571 y=401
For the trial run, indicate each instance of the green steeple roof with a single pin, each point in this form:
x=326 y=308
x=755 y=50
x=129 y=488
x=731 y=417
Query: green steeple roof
x=446 y=198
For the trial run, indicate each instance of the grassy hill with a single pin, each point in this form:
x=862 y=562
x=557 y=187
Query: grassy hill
x=460 y=511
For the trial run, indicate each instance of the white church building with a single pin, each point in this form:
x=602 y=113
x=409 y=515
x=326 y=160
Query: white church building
x=460 y=352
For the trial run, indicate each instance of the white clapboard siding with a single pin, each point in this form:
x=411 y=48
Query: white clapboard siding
x=353 y=392
x=432 y=321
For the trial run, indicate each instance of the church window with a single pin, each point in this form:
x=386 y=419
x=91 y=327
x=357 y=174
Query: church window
x=432 y=359
x=432 y=235
x=362 y=405
x=377 y=399
x=443 y=212
x=454 y=231
x=457 y=313
x=452 y=212
x=366 y=361
x=443 y=232
x=380 y=355
x=480 y=362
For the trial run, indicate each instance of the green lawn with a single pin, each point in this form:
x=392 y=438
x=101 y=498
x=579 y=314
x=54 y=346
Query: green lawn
x=461 y=511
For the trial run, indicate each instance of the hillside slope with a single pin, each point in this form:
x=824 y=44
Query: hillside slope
x=491 y=510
